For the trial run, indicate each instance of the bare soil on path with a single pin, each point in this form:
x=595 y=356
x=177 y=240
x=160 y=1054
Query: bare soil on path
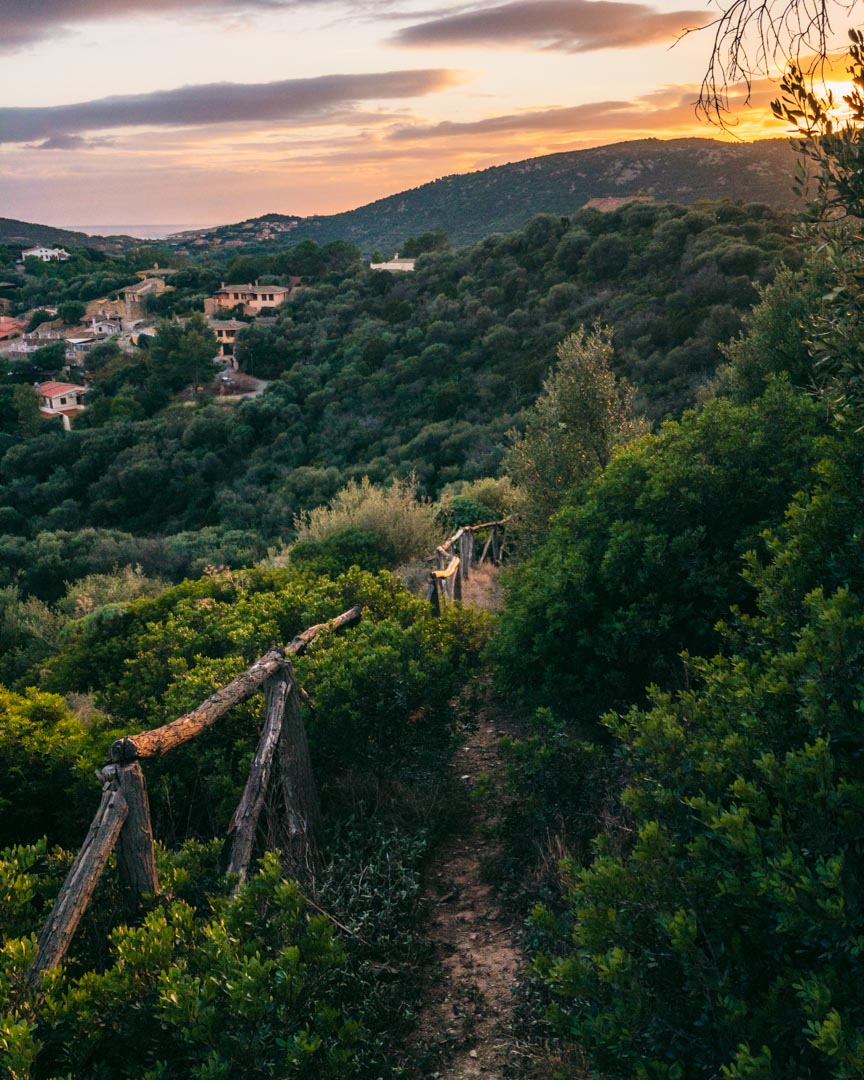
x=466 y=1027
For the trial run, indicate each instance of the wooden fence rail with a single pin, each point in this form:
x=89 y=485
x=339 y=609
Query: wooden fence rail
x=123 y=817
x=445 y=583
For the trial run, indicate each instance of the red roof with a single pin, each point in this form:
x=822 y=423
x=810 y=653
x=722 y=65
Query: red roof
x=52 y=389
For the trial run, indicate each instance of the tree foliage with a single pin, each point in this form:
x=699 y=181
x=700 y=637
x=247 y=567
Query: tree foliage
x=571 y=430
x=717 y=935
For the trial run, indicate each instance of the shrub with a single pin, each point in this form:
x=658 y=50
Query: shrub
x=405 y=526
x=645 y=557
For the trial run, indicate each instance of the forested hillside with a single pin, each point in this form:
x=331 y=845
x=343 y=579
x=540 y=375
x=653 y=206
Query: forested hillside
x=376 y=375
x=504 y=198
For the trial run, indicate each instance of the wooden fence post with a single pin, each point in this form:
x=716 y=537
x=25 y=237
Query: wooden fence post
x=295 y=817
x=432 y=594
x=70 y=905
x=136 y=857
x=244 y=823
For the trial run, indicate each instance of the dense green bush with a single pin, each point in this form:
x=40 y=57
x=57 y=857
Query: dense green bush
x=404 y=526
x=47 y=758
x=246 y=985
x=646 y=557
x=377 y=689
x=717 y=930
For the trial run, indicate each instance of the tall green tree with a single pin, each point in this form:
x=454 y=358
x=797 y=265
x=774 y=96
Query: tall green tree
x=182 y=352
x=571 y=430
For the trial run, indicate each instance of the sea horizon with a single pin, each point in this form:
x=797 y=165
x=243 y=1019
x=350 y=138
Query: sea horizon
x=143 y=232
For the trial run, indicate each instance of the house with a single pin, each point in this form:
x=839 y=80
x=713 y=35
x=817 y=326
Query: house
x=155 y=271
x=61 y=399
x=133 y=296
x=253 y=298
x=77 y=348
x=395 y=265
x=106 y=325
x=10 y=328
x=226 y=331
x=45 y=254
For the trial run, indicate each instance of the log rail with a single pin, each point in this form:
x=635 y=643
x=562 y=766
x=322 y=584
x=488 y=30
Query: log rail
x=123 y=816
x=445 y=582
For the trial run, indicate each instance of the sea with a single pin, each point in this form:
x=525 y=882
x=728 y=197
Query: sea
x=142 y=232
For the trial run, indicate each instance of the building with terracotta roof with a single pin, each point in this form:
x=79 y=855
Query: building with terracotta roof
x=133 y=296
x=10 y=328
x=226 y=330
x=61 y=399
x=253 y=299
x=156 y=271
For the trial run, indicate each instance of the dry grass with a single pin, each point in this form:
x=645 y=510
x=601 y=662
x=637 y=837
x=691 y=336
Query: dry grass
x=406 y=524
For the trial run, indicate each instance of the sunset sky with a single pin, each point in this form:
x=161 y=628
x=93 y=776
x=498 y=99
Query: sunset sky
x=211 y=111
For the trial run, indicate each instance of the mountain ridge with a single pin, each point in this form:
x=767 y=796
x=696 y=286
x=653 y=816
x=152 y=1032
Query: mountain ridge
x=501 y=198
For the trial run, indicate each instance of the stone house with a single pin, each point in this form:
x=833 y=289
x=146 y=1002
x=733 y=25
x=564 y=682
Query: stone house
x=254 y=299
x=133 y=296
x=226 y=331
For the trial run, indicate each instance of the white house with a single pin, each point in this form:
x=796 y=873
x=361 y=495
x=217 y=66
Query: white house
x=46 y=254
x=394 y=265
x=61 y=399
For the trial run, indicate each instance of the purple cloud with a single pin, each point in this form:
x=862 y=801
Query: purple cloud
x=289 y=100
x=26 y=22
x=566 y=25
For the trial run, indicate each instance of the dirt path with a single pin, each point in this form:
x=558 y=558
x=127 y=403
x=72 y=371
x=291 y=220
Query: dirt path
x=466 y=1026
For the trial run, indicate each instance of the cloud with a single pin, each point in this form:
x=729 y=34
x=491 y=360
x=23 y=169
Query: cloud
x=566 y=25
x=662 y=110
x=292 y=100
x=69 y=142
x=26 y=22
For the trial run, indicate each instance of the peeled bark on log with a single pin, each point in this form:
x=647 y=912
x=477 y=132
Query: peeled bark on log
x=244 y=823
x=160 y=740
x=302 y=640
x=136 y=858
x=295 y=811
x=70 y=905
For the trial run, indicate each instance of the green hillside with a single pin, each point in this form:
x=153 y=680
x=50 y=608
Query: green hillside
x=504 y=198
x=28 y=234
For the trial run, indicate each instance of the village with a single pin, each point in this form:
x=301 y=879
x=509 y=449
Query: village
x=126 y=318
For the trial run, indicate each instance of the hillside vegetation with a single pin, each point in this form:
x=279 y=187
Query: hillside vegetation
x=679 y=663
x=372 y=375
x=504 y=198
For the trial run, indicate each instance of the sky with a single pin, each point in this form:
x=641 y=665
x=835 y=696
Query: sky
x=213 y=111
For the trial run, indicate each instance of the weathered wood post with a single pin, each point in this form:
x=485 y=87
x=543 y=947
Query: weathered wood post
x=432 y=594
x=81 y=881
x=244 y=823
x=296 y=817
x=136 y=856
x=487 y=545
x=466 y=553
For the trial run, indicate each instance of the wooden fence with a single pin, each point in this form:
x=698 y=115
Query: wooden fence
x=445 y=583
x=123 y=817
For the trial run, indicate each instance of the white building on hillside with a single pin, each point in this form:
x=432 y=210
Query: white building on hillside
x=61 y=399
x=46 y=254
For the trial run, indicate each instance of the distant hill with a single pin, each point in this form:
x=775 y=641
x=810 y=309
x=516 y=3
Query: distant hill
x=28 y=234
x=473 y=205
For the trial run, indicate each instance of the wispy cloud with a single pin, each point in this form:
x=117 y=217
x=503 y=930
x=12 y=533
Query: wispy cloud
x=295 y=100
x=27 y=22
x=661 y=111
x=566 y=25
